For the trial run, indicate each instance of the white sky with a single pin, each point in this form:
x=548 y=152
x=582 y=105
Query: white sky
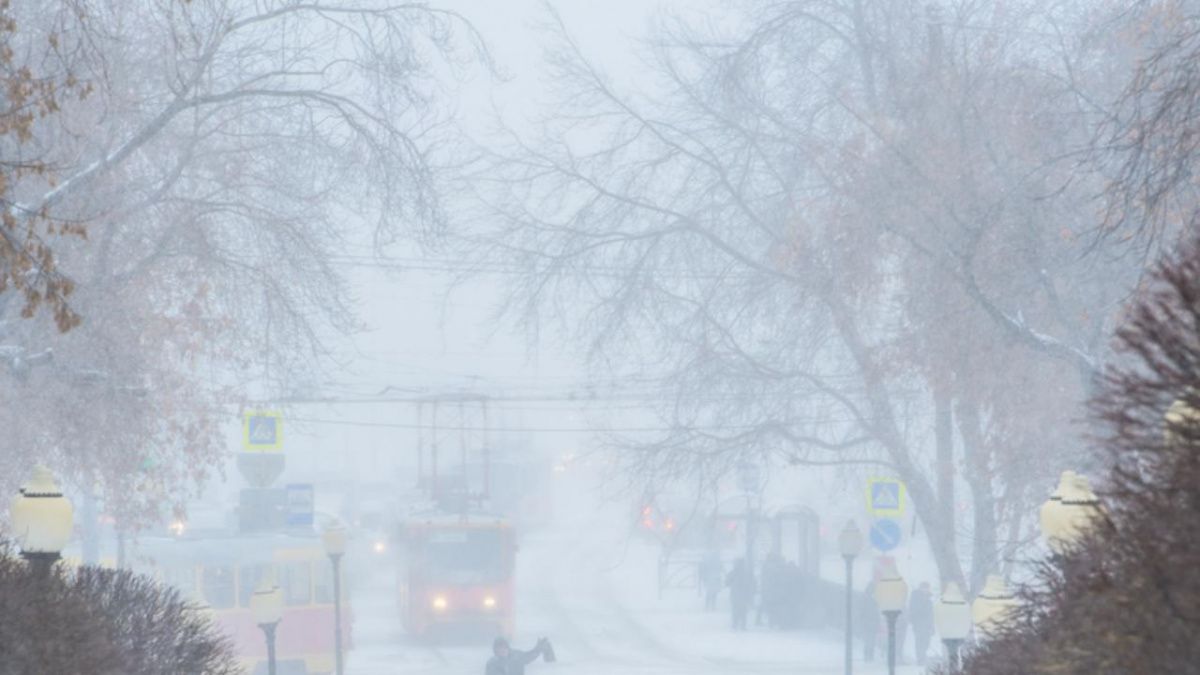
x=417 y=336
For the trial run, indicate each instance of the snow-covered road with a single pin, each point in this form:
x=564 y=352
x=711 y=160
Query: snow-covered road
x=594 y=596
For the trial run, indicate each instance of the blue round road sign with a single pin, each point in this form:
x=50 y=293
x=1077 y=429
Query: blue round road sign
x=885 y=534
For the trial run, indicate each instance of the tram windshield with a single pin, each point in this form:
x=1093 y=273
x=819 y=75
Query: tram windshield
x=466 y=556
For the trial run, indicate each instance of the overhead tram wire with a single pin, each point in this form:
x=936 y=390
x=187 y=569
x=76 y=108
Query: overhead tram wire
x=528 y=429
x=515 y=269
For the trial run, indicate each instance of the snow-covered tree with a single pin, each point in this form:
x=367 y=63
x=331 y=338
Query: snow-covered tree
x=849 y=233
x=226 y=152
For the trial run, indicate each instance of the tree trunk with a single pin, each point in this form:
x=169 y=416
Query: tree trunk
x=884 y=428
x=944 y=440
x=983 y=497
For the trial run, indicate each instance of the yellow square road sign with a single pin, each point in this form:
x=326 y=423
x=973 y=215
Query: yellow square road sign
x=262 y=431
x=885 y=497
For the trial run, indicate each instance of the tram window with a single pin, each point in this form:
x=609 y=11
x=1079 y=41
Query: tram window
x=248 y=578
x=218 y=586
x=297 y=583
x=466 y=556
x=323 y=585
x=181 y=578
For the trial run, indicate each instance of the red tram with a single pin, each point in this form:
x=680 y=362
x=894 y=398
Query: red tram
x=456 y=573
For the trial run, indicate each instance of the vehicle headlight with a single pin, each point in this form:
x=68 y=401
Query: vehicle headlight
x=379 y=546
x=439 y=603
x=489 y=602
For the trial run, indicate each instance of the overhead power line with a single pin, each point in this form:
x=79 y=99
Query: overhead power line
x=525 y=429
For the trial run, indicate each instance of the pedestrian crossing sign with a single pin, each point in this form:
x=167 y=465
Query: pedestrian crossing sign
x=262 y=431
x=885 y=497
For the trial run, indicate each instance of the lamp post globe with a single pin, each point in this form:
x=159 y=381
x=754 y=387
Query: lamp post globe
x=1051 y=515
x=850 y=543
x=1070 y=512
x=42 y=520
x=891 y=595
x=992 y=607
x=334 y=539
x=1180 y=420
x=266 y=606
x=952 y=620
x=1084 y=507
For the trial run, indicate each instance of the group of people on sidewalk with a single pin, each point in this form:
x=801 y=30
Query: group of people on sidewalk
x=780 y=597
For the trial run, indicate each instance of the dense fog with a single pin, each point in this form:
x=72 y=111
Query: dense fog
x=655 y=337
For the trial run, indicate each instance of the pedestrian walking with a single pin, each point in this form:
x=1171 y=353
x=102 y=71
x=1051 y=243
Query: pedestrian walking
x=741 y=592
x=771 y=587
x=508 y=661
x=791 y=589
x=920 y=617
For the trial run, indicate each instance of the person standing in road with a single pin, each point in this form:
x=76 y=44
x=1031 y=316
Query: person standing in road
x=772 y=586
x=920 y=617
x=508 y=661
x=741 y=592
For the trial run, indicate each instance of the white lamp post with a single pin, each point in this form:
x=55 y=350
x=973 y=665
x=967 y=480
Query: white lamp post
x=42 y=519
x=992 y=607
x=1181 y=419
x=750 y=477
x=952 y=619
x=1069 y=512
x=850 y=542
x=891 y=594
x=334 y=539
x=266 y=604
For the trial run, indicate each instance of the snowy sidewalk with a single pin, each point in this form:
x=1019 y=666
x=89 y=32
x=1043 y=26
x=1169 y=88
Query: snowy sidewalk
x=678 y=622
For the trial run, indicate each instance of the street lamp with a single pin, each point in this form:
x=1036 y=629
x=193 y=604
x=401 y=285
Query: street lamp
x=1180 y=418
x=266 y=604
x=891 y=592
x=750 y=476
x=850 y=542
x=993 y=606
x=952 y=618
x=1069 y=512
x=42 y=519
x=334 y=539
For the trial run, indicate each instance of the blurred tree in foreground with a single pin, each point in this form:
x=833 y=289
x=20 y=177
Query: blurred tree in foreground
x=1127 y=598
x=102 y=622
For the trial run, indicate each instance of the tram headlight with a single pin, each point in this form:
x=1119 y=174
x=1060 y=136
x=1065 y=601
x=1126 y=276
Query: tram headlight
x=439 y=603
x=489 y=602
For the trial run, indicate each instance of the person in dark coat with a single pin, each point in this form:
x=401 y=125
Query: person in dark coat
x=508 y=661
x=741 y=592
x=769 y=600
x=792 y=597
x=920 y=617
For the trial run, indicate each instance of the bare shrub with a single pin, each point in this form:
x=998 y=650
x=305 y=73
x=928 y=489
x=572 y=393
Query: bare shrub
x=1127 y=599
x=95 y=621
